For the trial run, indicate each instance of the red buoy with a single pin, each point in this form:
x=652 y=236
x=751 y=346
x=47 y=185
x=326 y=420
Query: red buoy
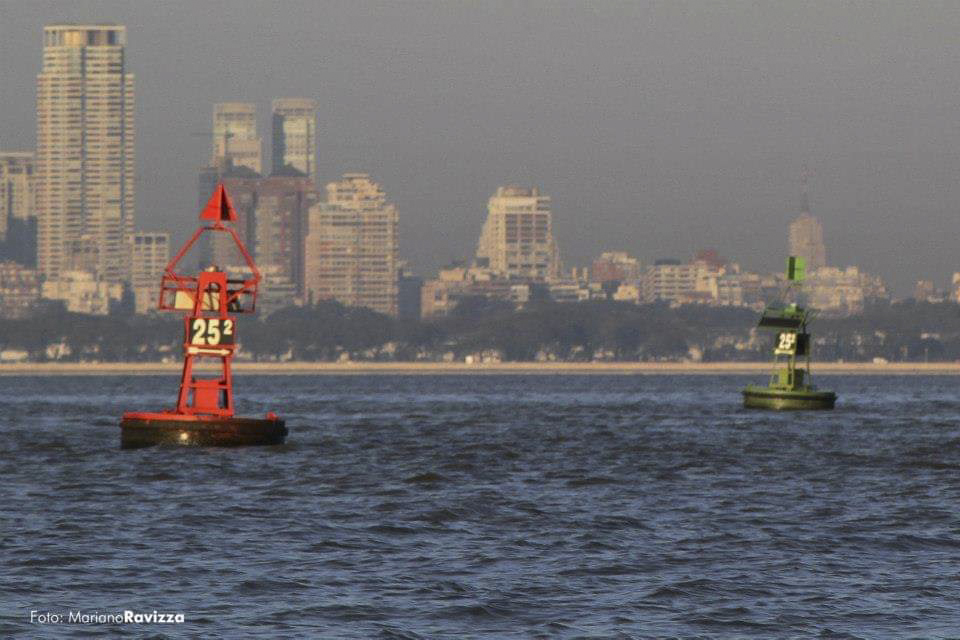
x=204 y=413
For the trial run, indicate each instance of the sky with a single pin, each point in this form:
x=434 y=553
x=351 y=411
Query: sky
x=657 y=128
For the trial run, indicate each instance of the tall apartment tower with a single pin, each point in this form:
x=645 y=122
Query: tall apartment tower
x=517 y=238
x=295 y=136
x=235 y=140
x=85 y=152
x=350 y=252
x=16 y=189
x=806 y=236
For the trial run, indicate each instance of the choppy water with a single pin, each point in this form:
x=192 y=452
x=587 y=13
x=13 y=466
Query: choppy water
x=455 y=507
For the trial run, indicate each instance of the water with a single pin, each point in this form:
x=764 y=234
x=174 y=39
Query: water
x=489 y=507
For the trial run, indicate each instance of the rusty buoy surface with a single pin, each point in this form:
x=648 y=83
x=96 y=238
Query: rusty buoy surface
x=144 y=429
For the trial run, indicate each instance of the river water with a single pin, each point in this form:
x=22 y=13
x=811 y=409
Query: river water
x=488 y=507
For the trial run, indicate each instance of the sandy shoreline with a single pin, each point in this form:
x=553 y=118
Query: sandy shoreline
x=460 y=368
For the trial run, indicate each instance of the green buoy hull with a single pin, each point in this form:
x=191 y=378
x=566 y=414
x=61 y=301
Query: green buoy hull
x=787 y=399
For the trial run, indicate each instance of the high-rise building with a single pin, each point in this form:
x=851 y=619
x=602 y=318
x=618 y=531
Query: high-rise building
x=351 y=246
x=806 y=241
x=235 y=140
x=16 y=188
x=81 y=292
x=271 y=221
x=149 y=255
x=806 y=236
x=279 y=220
x=409 y=288
x=295 y=136
x=85 y=152
x=517 y=238
x=18 y=212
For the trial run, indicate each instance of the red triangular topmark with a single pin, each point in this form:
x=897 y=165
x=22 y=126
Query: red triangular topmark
x=219 y=208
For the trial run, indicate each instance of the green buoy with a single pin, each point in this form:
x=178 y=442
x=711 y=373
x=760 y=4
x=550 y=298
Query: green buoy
x=790 y=387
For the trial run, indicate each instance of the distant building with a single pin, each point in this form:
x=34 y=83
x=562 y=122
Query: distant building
x=85 y=152
x=295 y=136
x=711 y=258
x=517 y=238
x=457 y=282
x=16 y=188
x=18 y=214
x=409 y=288
x=271 y=223
x=731 y=291
x=243 y=195
x=82 y=292
x=926 y=291
x=19 y=290
x=842 y=292
x=628 y=293
x=149 y=255
x=569 y=291
x=615 y=266
x=351 y=246
x=806 y=241
x=279 y=226
x=806 y=236
x=955 y=288
x=235 y=139
x=276 y=290
x=670 y=281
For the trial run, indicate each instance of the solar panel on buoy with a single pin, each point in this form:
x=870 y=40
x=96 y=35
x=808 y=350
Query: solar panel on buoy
x=204 y=414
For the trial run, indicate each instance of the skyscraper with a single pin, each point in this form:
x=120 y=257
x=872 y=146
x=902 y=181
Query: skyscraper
x=806 y=236
x=235 y=140
x=18 y=210
x=350 y=252
x=517 y=238
x=295 y=136
x=85 y=152
x=279 y=218
x=16 y=189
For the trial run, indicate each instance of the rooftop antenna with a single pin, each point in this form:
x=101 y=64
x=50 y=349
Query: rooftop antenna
x=804 y=196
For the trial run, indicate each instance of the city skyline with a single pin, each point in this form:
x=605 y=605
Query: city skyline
x=344 y=247
x=442 y=117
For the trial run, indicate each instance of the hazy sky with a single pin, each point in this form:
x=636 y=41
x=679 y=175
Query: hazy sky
x=657 y=128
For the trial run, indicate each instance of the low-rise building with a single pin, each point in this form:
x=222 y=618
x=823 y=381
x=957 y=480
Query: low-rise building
x=81 y=292
x=19 y=290
x=440 y=296
x=842 y=292
x=628 y=293
x=615 y=266
x=149 y=255
x=926 y=291
x=671 y=281
x=276 y=290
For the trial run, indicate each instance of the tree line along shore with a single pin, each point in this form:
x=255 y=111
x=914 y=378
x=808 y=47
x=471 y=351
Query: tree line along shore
x=485 y=332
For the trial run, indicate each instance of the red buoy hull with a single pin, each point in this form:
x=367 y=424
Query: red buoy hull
x=144 y=429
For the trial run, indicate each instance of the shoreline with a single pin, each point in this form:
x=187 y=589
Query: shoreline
x=461 y=368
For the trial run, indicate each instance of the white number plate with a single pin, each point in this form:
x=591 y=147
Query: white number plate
x=210 y=331
x=786 y=343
